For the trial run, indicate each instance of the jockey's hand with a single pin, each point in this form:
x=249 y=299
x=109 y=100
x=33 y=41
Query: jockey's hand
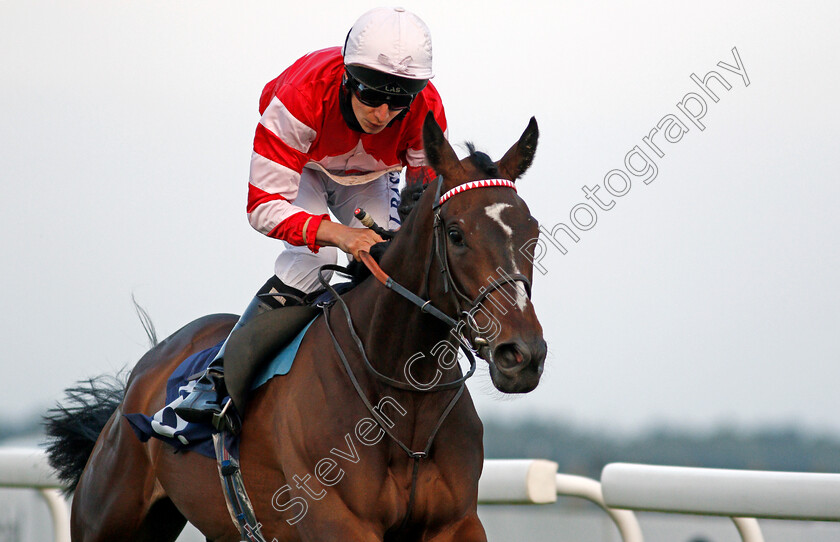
x=350 y=240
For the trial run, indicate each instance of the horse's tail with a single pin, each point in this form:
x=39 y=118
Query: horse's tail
x=146 y=322
x=73 y=426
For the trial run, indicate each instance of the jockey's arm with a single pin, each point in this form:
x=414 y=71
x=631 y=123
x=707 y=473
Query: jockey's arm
x=419 y=175
x=350 y=240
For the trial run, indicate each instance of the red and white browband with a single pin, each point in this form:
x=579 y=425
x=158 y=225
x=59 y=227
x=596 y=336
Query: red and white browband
x=476 y=184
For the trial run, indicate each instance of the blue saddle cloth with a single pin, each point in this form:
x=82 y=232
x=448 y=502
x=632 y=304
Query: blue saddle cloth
x=196 y=437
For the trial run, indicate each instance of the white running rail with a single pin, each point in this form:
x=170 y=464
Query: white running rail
x=723 y=492
x=28 y=468
x=741 y=495
x=536 y=481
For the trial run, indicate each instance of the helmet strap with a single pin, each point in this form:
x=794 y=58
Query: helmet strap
x=346 y=106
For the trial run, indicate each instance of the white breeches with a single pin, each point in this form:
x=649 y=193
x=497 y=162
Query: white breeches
x=297 y=266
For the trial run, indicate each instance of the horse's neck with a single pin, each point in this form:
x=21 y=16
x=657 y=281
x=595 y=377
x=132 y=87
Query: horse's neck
x=403 y=343
x=392 y=328
x=408 y=346
x=394 y=331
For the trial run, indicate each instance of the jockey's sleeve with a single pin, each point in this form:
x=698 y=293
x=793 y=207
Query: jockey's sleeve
x=422 y=175
x=281 y=144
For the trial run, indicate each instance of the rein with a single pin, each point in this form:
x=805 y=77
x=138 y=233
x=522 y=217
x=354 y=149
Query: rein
x=426 y=306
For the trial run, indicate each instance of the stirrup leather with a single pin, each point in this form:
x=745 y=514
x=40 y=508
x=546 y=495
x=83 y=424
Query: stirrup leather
x=227 y=419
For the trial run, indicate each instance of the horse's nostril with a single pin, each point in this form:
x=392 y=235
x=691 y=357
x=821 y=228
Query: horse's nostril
x=509 y=357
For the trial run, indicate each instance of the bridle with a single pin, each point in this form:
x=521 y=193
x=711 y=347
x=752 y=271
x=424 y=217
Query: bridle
x=438 y=252
x=449 y=283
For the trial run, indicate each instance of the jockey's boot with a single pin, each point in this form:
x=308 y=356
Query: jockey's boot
x=203 y=404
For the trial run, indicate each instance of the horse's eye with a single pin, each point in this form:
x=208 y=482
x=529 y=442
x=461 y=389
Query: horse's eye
x=456 y=237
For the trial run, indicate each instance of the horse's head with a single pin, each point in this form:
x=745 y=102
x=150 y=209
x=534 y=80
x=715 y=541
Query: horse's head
x=480 y=235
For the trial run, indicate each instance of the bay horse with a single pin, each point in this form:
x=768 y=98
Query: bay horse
x=314 y=458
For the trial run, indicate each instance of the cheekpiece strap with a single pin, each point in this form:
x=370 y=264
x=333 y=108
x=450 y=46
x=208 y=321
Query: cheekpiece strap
x=484 y=183
x=439 y=186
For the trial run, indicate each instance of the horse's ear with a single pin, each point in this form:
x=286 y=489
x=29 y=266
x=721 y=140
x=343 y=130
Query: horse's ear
x=518 y=159
x=439 y=153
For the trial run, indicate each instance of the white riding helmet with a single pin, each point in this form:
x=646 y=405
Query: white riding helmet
x=390 y=41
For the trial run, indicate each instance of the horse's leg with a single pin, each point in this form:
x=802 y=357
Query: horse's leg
x=192 y=482
x=469 y=529
x=162 y=522
x=117 y=498
x=339 y=530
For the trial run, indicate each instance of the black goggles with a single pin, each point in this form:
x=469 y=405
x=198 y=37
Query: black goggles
x=376 y=98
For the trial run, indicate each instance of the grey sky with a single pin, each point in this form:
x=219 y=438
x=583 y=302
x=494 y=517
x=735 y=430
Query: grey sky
x=707 y=296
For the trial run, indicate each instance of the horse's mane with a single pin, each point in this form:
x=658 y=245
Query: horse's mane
x=409 y=197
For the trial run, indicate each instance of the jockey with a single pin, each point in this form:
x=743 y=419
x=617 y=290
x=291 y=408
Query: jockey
x=337 y=127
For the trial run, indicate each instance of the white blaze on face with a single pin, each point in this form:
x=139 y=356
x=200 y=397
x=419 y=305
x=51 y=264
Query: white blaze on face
x=495 y=212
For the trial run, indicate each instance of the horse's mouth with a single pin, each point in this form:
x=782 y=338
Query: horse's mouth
x=486 y=353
